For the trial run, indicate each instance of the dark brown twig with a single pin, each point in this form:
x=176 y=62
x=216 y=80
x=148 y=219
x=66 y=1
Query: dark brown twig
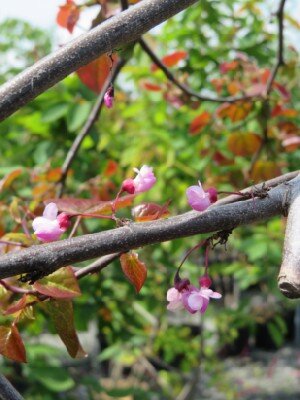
x=280 y=55
x=94 y=115
x=185 y=89
x=97 y=266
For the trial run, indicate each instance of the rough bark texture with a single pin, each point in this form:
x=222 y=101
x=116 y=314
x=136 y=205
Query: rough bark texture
x=112 y=34
x=7 y=391
x=48 y=257
x=289 y=275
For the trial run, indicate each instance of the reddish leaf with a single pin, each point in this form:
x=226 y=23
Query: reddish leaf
x=134 y=269
x=53 y=175
x=220 y=159
x=61 y=313
x=152 y=87
x=288 y=128
x=62 y=284
x=171 y=59
x=11 y=344
x=9 y=178
x=68 y=15
x=282 y=90
x=228 y=66
x=279 y=110
x=74 y=206
x=94 y=75
x=291 y=143
x=149 y=212
x=199 y=123
x=243 y=144
x=264 y=170
x=19 y=305
x=234 y=111
x=111 y=168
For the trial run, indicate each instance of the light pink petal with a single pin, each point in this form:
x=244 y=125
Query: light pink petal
x=175 y=305
x=46 y=230
x=195 y=301
x=209 y=293
x=215 y=295
x=197 y=198
x=50 y=211
x=173 y=294
x=144 y=180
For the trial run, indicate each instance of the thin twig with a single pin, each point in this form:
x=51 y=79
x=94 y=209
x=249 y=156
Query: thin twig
x=92 y=118
x=97 y=266
x=280 y=55
x=185 y=89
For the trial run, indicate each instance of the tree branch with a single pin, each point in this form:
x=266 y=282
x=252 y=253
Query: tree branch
x=185 y=89
x=7 y=391
x=92 y=118
x=46 y=258
x=280 y=57
x=289 y=275
x=114 y=33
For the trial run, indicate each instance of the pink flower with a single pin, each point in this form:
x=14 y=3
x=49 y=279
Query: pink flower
x=109 y=97
x=143 y=181
x=50 y=227
x=174 y=297
x=199 y=199
x=192 y=298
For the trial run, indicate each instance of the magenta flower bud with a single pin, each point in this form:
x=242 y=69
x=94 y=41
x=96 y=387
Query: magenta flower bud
x=63 y=221
x=128 y=186
x=205 y=281
x=50 y=227
x=213 y=194
x=109 y=97
x=182 y=284
x=144 y=180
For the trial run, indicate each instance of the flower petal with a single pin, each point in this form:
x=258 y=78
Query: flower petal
x=195 y=301
x=50 y=211
x=173 y=294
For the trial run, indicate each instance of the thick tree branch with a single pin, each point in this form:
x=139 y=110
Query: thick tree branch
x=46 y=258
x=7 y=391
x=92 y=118
x=114 y=33
x=289 y=275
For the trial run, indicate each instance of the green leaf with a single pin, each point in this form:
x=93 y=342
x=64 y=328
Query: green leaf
x=55 y=112
x=55 y=379
x=77 y=115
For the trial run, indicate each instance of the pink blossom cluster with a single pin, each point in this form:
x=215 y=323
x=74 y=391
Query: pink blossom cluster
x=50 y=226
x=184 y=295
x=199 y=199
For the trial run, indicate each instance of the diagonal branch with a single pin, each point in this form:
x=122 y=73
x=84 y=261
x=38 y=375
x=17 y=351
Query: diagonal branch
x=280 y=57
x=94 y=115
x=7 y=391
x=46 y=258
x=184 y=88
x=116 y=32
